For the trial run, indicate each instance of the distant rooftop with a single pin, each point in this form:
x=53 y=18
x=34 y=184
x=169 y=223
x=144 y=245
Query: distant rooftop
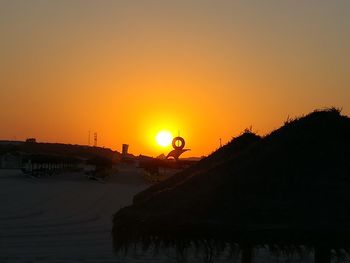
x=6 y=142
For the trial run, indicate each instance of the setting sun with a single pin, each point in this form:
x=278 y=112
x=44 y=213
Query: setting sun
x=164 y=138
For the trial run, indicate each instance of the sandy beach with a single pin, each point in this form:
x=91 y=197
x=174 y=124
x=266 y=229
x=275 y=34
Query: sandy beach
x=68 y=218
x=61 y=218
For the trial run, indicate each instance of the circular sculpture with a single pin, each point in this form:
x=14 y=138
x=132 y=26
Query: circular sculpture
x=177 y=146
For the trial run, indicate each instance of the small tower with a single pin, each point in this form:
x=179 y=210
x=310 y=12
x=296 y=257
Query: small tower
x=125 y=148
x=95 y=139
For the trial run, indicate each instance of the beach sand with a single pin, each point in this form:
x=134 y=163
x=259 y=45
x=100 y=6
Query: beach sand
x=63 y=218
x=68 y=218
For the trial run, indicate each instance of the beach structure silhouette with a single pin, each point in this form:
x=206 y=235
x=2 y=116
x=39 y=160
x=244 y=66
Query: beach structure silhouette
x=178 y=144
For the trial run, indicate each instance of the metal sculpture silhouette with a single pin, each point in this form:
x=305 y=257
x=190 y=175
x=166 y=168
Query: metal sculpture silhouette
x=178 y=145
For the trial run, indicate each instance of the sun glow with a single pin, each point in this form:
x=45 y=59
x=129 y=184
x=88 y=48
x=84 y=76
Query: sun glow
x=164 y=138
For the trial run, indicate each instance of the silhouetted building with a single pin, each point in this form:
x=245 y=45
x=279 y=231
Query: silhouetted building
x=31 y=140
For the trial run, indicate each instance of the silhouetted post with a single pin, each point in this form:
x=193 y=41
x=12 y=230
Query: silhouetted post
x=247 y=254
x=322 y=254
x=89 y=138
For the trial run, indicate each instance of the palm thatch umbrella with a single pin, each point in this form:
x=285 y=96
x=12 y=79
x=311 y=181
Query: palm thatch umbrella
x=288 y=188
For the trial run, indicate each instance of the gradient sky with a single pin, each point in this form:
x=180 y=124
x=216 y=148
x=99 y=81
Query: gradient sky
x=127 y=69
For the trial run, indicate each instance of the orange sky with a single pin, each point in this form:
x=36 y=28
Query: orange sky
x=127 y=69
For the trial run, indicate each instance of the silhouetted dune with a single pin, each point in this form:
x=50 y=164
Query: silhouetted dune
x=292 y=184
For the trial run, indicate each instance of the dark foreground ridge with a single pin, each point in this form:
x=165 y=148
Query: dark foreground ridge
x=290 y=186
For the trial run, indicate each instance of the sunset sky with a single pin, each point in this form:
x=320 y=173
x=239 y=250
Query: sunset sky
x=207 y=69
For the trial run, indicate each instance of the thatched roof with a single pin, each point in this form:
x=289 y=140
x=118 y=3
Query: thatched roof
x=295 y=180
